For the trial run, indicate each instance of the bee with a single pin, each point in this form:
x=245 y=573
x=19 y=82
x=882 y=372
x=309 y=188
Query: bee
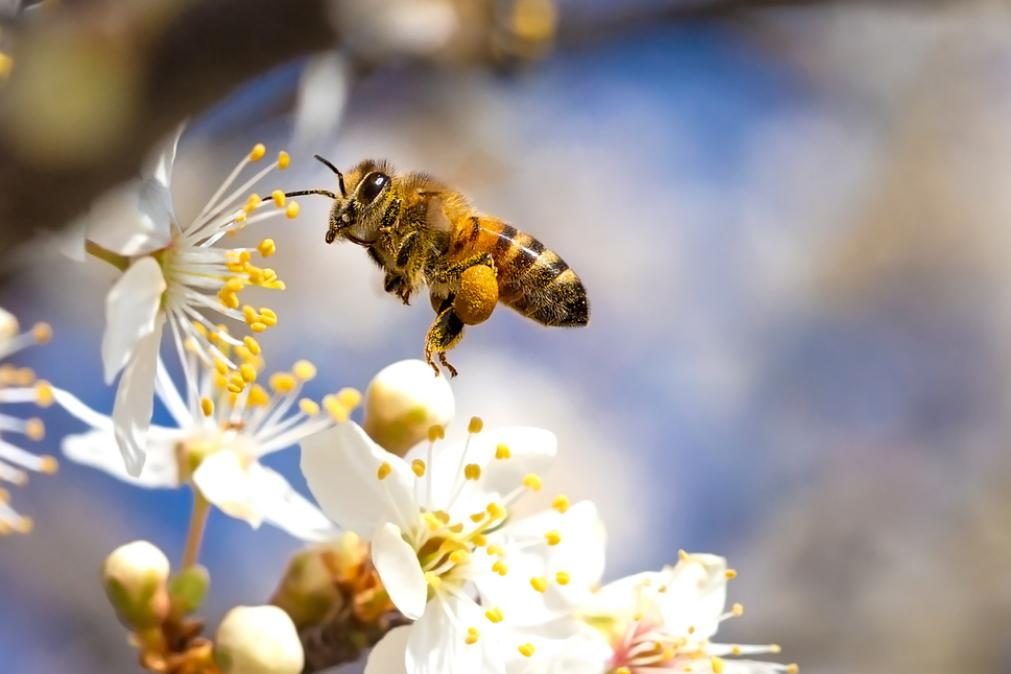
x=422 y=232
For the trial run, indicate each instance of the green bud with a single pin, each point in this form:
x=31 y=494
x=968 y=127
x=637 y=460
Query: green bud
x=134 y=577
x=188 y=589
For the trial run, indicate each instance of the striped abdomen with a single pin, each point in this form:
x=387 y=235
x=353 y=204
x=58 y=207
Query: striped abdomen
x=532 y=279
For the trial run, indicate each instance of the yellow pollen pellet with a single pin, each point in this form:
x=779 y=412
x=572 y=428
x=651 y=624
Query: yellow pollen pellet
x=532 y=481
x=278 y=197
x=478 y=540
x=258 y=151
x=35 y=429
x=282 y=382
x=500 y=567
x=384 y=470
x=539 y=583
x=248 y=372
x=42 y=332
x=418 y=466
x=553 y=537
x=496 y=550
x=472 y=471
x=335 y=409
x=716 y=664
x=737 y=610
x=207 y=406
x=560 y=503
x=252 y=345
x=496 y=510
x=283 y=160
x=304 y=370
x=44 y=395
x=494 y=615
x=436 y=432
x=291 y=212
x=475 y=425
x=730 y=574
x=562 y=577
x=310 y=408
x=459 y=556
x=472 y=635
x=48 y=464
x=267 y=247
x=527 y=650
x=349 y=397
x=502 y=452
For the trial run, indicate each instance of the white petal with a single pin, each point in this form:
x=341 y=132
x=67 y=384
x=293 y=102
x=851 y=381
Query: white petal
x=532 y=450
x=387 y=657
x=131 y=413
x=622 y=598
x=341 y=466
x=437 y=643
x=322 y=92
x=98 y=449
x=226 y=483
x=732 y=666
x=131 y=219
x=285 y=508
x=696 y=595
x=131 y=309
x=159 y=164
x=398 y=567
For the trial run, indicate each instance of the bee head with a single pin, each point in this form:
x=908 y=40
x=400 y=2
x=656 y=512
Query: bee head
x=357 y=213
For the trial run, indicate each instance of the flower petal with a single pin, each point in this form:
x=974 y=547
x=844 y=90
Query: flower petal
x=226 y=483
x=132 y=219
x=285 y=508
x=398 y=567
x=130 y=312
x=387 y=656
x=158 y=165
x=531 y=451
x=98 y=449
x=341 y=466
x=696 y=595
x=131 y=413
x=437 y=643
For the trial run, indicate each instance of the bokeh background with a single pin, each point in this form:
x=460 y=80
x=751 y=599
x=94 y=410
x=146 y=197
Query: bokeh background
x=794 y=232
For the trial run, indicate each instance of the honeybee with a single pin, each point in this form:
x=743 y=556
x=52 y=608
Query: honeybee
x=423 y=233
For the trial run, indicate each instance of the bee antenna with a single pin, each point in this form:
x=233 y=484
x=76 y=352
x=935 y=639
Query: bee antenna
x=302 y=193
x=340 y=176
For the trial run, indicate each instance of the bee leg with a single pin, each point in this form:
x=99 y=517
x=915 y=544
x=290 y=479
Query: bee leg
x=453 y=272
x=445 y=332
x=396 y=284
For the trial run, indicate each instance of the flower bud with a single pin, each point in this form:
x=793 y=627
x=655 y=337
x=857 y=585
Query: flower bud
x=403 y=401
x=258 y=640
x=188 y=589
x=309 y=589
x=135 y=578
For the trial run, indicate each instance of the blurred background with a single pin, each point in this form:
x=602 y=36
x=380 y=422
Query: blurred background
x=793 y=226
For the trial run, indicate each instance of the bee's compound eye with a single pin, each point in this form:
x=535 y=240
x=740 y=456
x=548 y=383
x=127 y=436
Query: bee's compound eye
x=371 y=186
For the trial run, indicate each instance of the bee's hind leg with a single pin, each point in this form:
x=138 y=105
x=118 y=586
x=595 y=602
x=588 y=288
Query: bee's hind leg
x=445 y=332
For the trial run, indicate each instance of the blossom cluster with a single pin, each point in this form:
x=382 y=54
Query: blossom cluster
x=420 y=547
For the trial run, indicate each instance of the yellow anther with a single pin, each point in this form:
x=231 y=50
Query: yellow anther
x=335 y=409
x=433 y=580
x=526 y=650
x=736 y=650
x=282 y=382
x=234 y=284
x=418 y=466
x=716 y=664
x=267 y=247
x=478 y=540
x=622 y=670
x=773 y=648
x=220 y=366
x=258 y=396
x=494 y=615
x=730 y=574
x=6 y=65
x=207 y=406
x=475 y=425
x=431 y=521
x=239 y=218
x=304 y=370
x=539 y=583
x=532 y=481
x=562 y=577
x=792 y=668
x=442 y=516
x=24 y=525
x=472 y=471
x=248 y=313
x=459 y=556
x=278 y=197
x=257 y=326
x=48 y=464
x=500 y=567
x=502 y=452
x=291 y=212
x=267 y=315
x=283 y=160
x=310 y=408
x=35 y=429
x=477 y=517
x=472 y=635
x=349 y=397
x=436 y=432
x=252 y=345
x=496 y=550
x=496 y=510
x=560 y=503
x=258 y=151
x=691 y=629
x=248 y=372
x=457 y=528
x=44 y=395
x=42 y=332
x=199 y=329
x=737 y=610
x=553 y=537
x=384 y=470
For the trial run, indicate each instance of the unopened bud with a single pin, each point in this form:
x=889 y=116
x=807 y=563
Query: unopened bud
x=188 y=589
x=309 y=589
x=403 y=401
x=258 y=640
x=135 y=578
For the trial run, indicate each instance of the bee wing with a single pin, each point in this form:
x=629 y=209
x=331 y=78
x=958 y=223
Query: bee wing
x=436 y=217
